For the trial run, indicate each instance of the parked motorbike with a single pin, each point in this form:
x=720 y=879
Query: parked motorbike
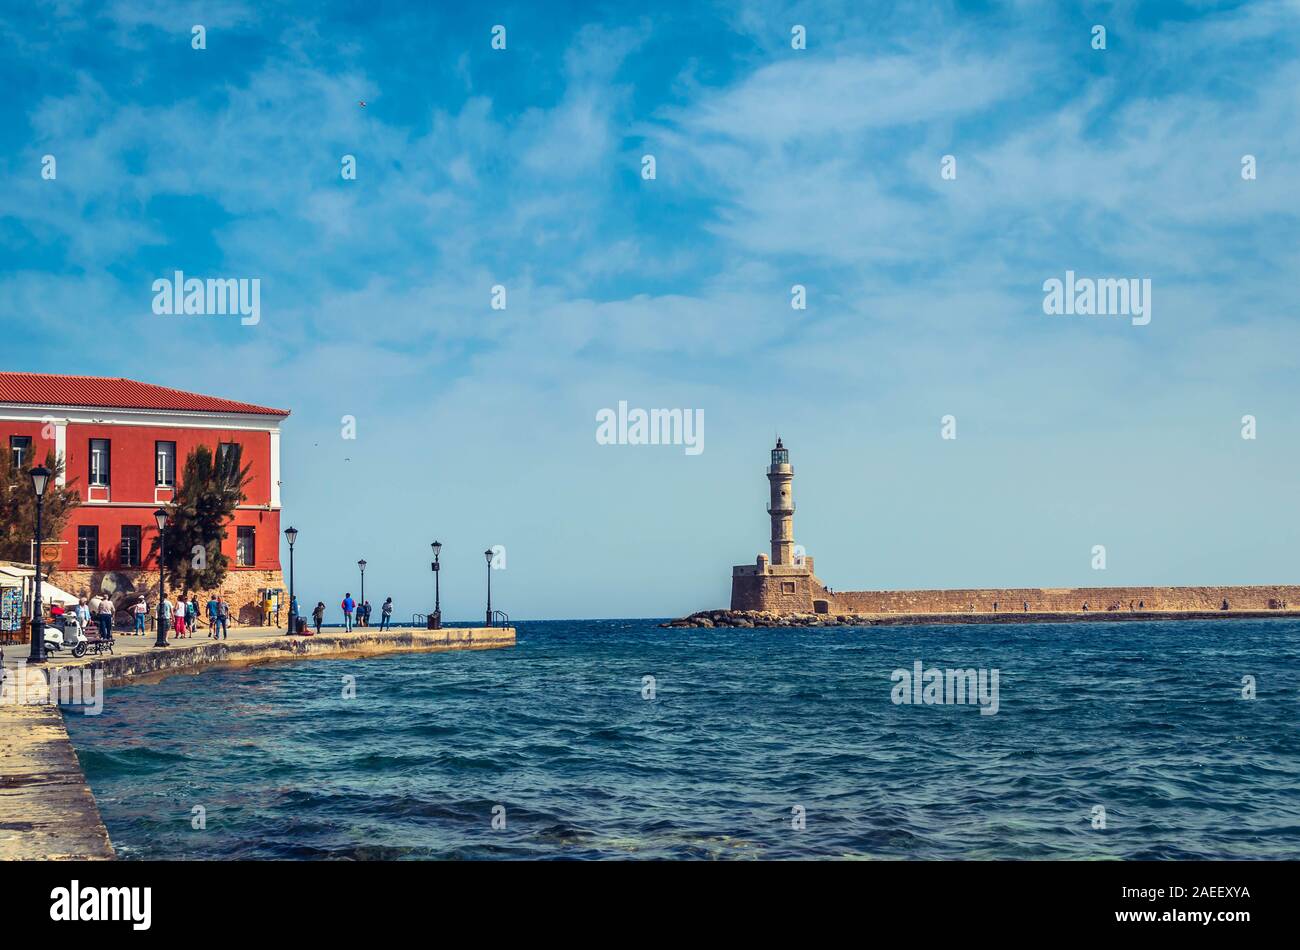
x=65 y=635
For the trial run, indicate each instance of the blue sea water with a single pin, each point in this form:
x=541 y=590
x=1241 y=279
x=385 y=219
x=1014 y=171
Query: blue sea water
x=746 y=728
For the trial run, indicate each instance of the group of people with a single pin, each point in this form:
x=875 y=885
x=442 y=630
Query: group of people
x=182 y=616
x=355 y=614
x=362 y=612
x=98 y=610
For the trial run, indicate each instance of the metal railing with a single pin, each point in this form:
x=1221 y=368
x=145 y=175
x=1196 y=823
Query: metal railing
x=502 y=616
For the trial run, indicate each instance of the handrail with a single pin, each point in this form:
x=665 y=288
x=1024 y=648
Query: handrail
x=502 y=615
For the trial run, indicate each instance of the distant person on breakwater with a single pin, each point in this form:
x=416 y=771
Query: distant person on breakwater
x=365 y=610
x=166 y=609
x=266 y=611
x=318 y=615
x=191 y=614
x=348 y=606
x=179 y=623
x=386 y=614
x=212 y=616
x=139 y=610
x=223 y=618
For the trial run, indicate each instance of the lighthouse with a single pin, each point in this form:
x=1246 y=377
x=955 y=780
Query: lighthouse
x=780 y=475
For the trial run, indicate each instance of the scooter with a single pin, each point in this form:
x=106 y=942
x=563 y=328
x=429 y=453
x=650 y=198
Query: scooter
x=65 y=636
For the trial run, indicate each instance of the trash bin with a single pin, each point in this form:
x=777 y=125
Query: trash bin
x=302 y=624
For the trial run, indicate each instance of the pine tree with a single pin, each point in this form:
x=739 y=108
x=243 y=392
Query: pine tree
x=204 y=504
x=18 y=507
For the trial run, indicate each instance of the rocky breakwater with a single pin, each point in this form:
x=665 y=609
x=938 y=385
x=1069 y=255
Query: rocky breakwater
x=766 y=618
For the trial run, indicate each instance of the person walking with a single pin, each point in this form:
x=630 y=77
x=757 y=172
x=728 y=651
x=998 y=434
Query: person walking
x=213 y=618
x=166 y=618
x=105 y=618
x=386 y=614
x=223 y=618
x=178 y=621
x=318 y=615
x=366 y=609
x=82 y=613
x=191 y=613
x=140 y=610
x=348 y=606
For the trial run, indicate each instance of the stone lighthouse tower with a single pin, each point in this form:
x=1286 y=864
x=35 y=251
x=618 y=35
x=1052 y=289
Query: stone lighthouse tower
x=780 y=583
x=780 y=475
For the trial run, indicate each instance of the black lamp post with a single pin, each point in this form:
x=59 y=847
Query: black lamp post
x=291 y=533
x=435 y=622
x=40 y=478
x=487 y=555
x=160 y=516
x=361 y=607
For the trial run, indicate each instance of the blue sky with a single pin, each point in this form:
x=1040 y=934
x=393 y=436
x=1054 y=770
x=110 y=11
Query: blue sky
x=775 y=166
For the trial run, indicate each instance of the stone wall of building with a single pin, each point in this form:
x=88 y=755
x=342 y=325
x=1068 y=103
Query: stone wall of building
x=240 y=589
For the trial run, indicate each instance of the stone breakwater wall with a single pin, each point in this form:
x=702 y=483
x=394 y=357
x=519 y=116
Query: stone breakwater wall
x=764 y=618
x=802 y=592
x=191 y=658
x=1067 y=599
x=47 y=811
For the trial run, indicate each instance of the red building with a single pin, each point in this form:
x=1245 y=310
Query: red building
x=124 y=443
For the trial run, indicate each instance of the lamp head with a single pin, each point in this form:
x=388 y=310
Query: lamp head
x=40 y=478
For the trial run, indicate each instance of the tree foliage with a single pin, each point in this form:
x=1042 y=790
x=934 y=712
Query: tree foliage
x=18 y=507
x=210 y=490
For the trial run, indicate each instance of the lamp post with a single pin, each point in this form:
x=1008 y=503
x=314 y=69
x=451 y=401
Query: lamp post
x=291 y=533
x=40 y=478
x=487 y=555
x=160 y=516
x=435 y=622
x=361 y=606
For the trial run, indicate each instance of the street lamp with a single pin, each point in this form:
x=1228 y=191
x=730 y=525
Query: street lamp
x=487 y=555
x=435 y=622
x=291 y=533
x=40 y=478
x=362 y=606
x=160 y=516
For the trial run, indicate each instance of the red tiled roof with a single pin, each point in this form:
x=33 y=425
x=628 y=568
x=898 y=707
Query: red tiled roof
x=48 y=389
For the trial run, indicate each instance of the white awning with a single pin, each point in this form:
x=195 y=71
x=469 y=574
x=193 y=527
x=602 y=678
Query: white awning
x=12 y=576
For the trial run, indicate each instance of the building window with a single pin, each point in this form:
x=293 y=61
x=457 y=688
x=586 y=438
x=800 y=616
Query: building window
x=245 y=549
x=231 y=450
x=130 y=556
x=20 y=447
x=165 y=454
x=99 y=463
x=87 y=546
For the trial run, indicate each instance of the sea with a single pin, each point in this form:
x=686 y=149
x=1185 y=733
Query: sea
x=618 y=739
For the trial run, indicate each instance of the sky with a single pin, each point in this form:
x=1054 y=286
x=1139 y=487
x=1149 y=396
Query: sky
x=523 y=168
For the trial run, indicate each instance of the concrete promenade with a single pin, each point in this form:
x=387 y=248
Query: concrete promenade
x=46 y=809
